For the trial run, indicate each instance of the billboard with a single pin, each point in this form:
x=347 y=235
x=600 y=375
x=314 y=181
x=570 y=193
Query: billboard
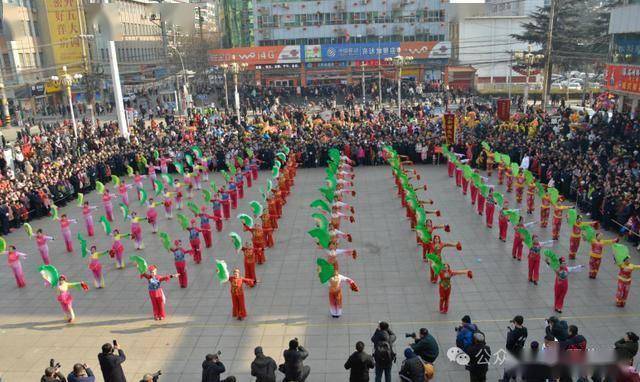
x=359 y=52
x=624 y=78
x=426 y=49
x=258 y=55
x=449 y=127
x=64 y=29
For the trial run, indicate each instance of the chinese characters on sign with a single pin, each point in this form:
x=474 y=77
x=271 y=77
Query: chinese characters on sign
x=64 y=27
x=504 y=108
x=623 y=77
x=449 y=127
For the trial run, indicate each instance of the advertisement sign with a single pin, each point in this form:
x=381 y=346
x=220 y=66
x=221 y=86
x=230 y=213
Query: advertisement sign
x=623 y=77
x=312 y=53
x=64 y=28
x=504 y=109
x=287 y=54
x=426 y=49
x=449 y=127
x=359 y=52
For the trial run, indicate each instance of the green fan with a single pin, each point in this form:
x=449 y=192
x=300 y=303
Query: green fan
x=246 y=220
x=99 y=187
x=50 y=274
x=236 y=240
x=528 y=176
x=80 y=199
x=125 y=211
x=514 y=216
x=552 y=259
x=526 y=237
x=326 y=270
x=166 y=240
x=499 y=199
x=115 y=179
x=572 y=217
x=620 y=253
x=322 y=236
x=275 y=172
x=423 y=234
x=54 y=212
x=540 y=188
x=319 y=203
x=436 y=263
x=3 y=244
x=183 y=220
x=129 y=170
x=554 y=194
x=485 y=146
x=515 y=169
x=83 y=246
x=196 y=150
x=106 y=225
x=159 y=187
x=28 y=229
x=189 y=159
x=206 y=194
x=256 y=208
x=179 y=168
x=140 y=263
x=222 y=272
x=321 y=220
x=193 y=207
x=143 y=196
x=589 y=233
x=167 y=178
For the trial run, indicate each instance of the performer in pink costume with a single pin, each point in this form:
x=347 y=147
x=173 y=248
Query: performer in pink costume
x=197 y=179
x=164 y=165
x=117 y=249
x=13 y=260
x=246 y=172
x=137 y=180
x=88 y=219
x=66 y=231
x=205 y=225
x=66 y=299
x=188 y=181
x=152 y=215
x=225 y=200
x=232 y=190
x=123 y=191
x=179 y=255
x=177 y=188
x=194 y=240
x=96 y=267
x=240 y=185
x=217 y=212
x=136 y=230
x=108 y=207
x=168 y=205
x=43 y=248
x=254 y=168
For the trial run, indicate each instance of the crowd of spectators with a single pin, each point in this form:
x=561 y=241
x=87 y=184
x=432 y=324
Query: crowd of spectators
x=562 y=355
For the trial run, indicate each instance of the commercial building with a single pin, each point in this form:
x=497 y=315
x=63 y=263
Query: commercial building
x=513 y=8
x=238 y=22
x=622 y=75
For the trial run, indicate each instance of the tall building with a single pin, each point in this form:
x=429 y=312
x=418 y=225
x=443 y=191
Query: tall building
x=238 y=22
x=622 y=75
x=348 y=21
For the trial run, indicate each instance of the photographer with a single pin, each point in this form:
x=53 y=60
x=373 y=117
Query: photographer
x=111 y=364
x=52 y=373
x=425 y=346
x=263 y=367
x=212 y=367
x=151 y=377
x=81 y=373
x=559 y=329
x=516 y=337
x=294 y=368
x=465 y=331
x=383 y=354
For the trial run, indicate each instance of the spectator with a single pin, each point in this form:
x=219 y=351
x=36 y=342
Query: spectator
x=294 y=368
x=516 y=337
x=111 y=364
x=464 y=338
x=480 y=356
x=574 y=341
x=81 y=373
x=412 y=369
x=263 y=367
x=151 y=377
x=627 y=347
x=383 y=354
x=212 y=367
x=53 y=374
x=359 y=363
x=557 y=328
x=425 y=346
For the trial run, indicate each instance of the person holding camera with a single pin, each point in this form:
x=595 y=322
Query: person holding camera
x=111 y=364
x=559 y=329
x=359 y=363
x=383 y=354
x=151 y=377
x=212 y=367
x=294 y=368
x=412 y=369
x=516 y=339
x=81 y=373
x=263 y=367
x=52 y=373
x=424 y=345
x=465 y=331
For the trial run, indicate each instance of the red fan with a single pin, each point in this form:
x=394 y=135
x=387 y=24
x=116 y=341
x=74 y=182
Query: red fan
x=112 y=253
x=470 y=274
x=596 y=225
x=84 y=286
x=438 y=213
x=352 y=219
x=354 y=254
x=353 y=193
x=354 y=287
x=459 y=246
x=447 y=228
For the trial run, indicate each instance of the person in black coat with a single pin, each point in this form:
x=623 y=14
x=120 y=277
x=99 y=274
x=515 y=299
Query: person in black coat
x=212 y=367
x=480 y=356
x=359 y=363
x=263 y=367
x=294 y=368
x=111 y=364
x=383 y=340
x=412 y=369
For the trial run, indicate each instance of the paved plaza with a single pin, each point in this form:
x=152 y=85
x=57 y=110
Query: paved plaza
x=289 y=300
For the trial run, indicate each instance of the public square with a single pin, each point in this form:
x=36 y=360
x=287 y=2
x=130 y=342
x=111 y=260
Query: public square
x=289 y=301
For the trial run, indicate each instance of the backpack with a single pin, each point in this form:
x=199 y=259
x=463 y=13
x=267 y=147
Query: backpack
x=383 y=353
x=465 y=336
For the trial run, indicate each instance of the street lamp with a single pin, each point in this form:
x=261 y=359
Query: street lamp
x=379 y=71
x=5 y=103
x=225 y=67
x=67 y=80
x=185 y=91
x=529 y=59
x=235 y=69
x=364 y=91
x=399 y=62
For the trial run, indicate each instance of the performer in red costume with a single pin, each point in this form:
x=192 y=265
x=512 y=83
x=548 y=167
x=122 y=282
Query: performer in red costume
x=481 y=202
x=557 y=220
x=624 y=281
x=436 y=248
x=531 y=193
x=519 y=187
x=490 y=209
x=576 y=234
x=561 y=286
x=500 y=173
x=237 y=294
x=544 y=210
x=205 y=225
x=156 y=293
x=503 y=221
x=595 y=257
x=194 y=240
x=509 y=175
x=444 y=288
x=250 y=265
x=179 y=260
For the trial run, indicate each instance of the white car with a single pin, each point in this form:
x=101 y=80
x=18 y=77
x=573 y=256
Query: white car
x=574 y=86
x=556 y=85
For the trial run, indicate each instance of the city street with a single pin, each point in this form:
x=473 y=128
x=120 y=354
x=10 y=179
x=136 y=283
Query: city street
x=289 y=301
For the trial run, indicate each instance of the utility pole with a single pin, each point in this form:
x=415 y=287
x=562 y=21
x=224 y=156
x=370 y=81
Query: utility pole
x=117 y=90
x=547 y=64
x=4 y=101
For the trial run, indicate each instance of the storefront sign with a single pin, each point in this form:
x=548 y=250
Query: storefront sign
x=359 y=52
x=623 y=77
x=426 y=49
x=64 y=29
x=258 y=55
x=449 y=127
x=504 y=109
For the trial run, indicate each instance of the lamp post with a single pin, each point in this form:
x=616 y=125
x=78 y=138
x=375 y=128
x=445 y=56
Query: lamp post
x=399 y=62
x=528 y=59
x=67 y=80
x=185 y=89
x=225 y=67
x=235 y=69
x=379 y=71
x=5 y=103
x=364 y=90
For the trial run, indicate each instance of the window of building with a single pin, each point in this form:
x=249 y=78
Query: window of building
x=358 y=17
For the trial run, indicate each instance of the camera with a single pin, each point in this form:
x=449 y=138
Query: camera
x=410 y=335
x=157 y=374
x=53 y=363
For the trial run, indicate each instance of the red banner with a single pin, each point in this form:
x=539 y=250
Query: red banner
x=449 y=127
x=504 y=109
x=625 y=78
